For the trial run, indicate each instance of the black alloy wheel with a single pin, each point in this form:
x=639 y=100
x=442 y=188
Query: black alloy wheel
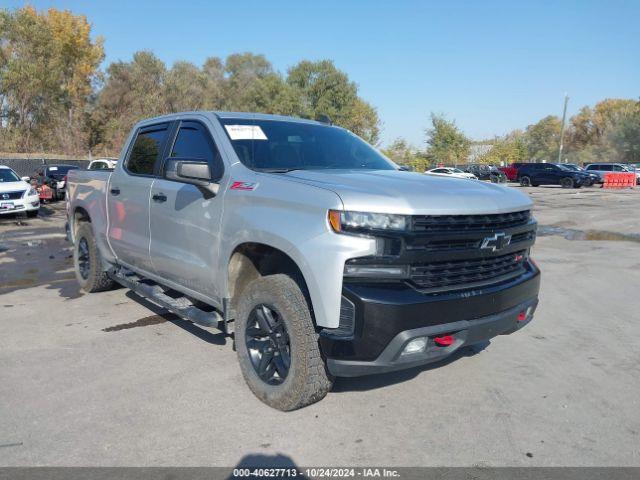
x=268 y=344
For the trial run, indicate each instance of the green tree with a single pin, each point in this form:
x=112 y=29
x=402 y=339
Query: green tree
x=132 y=91
x=508 y=149
x=445 y=142
x=322 y=89
x=624 y=138
x=542 y=139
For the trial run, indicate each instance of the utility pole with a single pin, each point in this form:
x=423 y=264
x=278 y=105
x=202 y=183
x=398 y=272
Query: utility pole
x=564 y=118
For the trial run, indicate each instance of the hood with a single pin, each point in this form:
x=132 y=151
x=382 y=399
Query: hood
x=14 y=186
x=394 y=191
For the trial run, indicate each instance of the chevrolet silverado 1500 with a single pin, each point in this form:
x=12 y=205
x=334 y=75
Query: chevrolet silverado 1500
x=317 y=252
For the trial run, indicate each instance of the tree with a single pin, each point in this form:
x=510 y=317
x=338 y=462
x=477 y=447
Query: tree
x=48 y=64
x=322 y=89
x=542 y=139
x=133 y=91
x=590 y=127
x=185 y=88
x=445 y=142
x=624 y=138
x=505 y=150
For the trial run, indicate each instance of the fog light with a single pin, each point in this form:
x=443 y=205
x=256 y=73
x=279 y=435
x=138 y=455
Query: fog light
x=416 y=345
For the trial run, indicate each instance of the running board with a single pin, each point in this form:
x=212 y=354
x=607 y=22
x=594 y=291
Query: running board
x=181 y=306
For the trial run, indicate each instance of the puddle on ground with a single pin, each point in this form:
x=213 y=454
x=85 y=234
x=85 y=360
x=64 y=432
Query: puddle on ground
x=143 y=322
x=595 y=235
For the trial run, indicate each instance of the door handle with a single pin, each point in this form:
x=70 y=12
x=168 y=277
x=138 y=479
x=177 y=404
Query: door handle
x=115 y=191
x=159 y=197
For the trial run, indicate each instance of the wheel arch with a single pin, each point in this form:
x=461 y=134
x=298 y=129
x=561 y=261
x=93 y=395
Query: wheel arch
x=251 y=260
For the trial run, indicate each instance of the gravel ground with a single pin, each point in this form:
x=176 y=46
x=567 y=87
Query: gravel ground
x=109 y=380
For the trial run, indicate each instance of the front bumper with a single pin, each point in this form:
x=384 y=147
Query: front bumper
x=387 y=319
x=26 y=204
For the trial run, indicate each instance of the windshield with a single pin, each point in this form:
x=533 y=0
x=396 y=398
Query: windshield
x=7 y=175
x=457 y=170
x=273 y=145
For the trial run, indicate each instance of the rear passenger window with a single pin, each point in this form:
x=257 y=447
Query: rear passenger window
x=146 y=150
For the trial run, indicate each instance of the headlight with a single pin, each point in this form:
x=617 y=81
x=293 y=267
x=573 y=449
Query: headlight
x=32 y=192
x=358 y=221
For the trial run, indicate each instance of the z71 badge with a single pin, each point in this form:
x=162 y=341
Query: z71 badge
x=242 y=186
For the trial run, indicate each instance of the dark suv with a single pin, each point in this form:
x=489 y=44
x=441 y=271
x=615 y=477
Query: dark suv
x=534 y=174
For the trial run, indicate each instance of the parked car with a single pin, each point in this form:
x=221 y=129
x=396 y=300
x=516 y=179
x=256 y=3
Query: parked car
x=320 y=255
x=451 y=172
x=511 y=170
x=103 y=164
x=16 y=195
x=577 y=168
x=54 y=176
x=535 y=174
x=487 y=172
x=601 y=169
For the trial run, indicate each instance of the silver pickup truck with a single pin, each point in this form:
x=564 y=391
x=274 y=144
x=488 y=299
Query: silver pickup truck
x=316 y=251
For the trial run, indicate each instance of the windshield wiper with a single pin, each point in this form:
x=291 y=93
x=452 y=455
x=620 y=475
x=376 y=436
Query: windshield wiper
x=276 y=170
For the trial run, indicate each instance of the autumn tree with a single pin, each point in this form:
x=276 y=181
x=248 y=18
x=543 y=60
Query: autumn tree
x=48 y=64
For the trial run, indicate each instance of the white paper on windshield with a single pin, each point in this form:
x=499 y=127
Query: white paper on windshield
x=245 y=132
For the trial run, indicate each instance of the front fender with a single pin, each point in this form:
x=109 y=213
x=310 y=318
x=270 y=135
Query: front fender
x=292 y=217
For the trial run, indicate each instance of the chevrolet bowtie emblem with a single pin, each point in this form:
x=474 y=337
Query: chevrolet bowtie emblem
x=497 y=242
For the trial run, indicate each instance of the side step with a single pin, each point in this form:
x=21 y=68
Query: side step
x=179 y=305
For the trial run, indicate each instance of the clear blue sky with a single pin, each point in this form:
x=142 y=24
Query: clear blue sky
x=491 y=65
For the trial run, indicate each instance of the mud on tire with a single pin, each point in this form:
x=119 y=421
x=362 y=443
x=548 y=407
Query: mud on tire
x=87 y=263
x=307 y=380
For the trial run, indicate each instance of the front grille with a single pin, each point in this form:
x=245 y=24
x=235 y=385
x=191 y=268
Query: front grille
x=469 y=273
x=11 y=195
x=469 y=223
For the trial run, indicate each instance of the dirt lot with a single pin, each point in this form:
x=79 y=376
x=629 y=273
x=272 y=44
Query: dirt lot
x=107 y=379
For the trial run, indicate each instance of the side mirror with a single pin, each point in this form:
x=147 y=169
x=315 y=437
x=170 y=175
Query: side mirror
x=404 y=168
x=192 y=172
x=26 y=179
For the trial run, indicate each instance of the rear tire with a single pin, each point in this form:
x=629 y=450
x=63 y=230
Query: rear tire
x=307 y=380
x=87 y=262
x=525 y=181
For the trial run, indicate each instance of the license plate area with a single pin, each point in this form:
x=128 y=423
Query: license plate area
x=7 y=206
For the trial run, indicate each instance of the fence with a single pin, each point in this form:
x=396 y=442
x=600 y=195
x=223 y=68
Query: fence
x=28 y=166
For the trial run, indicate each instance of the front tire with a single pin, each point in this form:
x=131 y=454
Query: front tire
x=567 y=183
x=277 y=344
x=32 y=213
x=87 y=262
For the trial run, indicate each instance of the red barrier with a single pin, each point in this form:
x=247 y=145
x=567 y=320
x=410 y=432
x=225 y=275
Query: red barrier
x=619 y=180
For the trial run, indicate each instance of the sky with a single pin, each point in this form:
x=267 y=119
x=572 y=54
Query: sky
x=492 y=66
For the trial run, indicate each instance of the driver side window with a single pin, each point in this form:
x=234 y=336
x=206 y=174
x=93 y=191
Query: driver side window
x=193 y=142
